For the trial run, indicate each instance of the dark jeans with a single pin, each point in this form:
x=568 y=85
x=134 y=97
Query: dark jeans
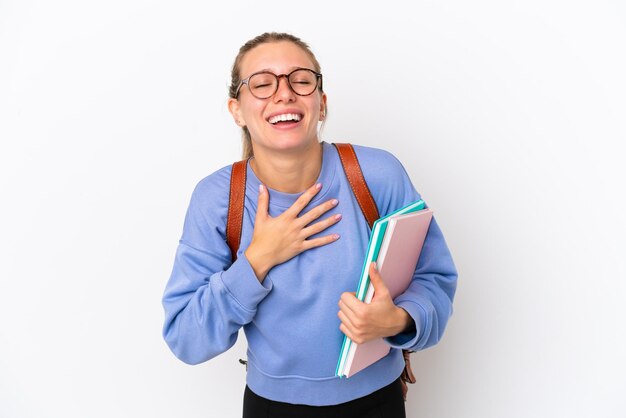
x=384 y=403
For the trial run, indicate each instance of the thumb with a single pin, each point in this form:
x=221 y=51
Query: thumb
x=262 y=203
x=380 y=289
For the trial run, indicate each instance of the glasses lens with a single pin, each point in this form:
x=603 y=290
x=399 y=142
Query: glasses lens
x=303 y=82
x=262 y=85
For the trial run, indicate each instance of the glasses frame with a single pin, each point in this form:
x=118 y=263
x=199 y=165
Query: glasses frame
x=318 y=85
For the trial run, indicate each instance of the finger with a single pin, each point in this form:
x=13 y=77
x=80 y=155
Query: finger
x=318 y=211
x=321 y=225
x=303 y=200
x=354 y=334
x=347 y=331
x=262 y=203
x=345 y=320
x=343 y=307
x=318 y=242
x=380 y=288
x=349 y=304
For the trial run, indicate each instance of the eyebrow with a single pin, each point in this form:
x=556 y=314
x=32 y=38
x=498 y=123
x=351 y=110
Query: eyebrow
x=296 y=67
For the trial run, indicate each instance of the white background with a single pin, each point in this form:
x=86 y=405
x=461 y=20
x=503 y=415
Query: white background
x=509 y=117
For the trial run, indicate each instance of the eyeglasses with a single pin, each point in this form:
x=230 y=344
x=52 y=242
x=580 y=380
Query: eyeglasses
x=264 y=84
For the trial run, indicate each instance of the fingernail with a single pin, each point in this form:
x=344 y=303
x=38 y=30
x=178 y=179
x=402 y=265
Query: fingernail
x=338 y=216
x=334 y=202
x=261 y=188
x=336 y=236
x=318 y=186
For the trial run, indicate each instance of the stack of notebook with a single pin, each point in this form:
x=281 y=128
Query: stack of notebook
x=395 y=245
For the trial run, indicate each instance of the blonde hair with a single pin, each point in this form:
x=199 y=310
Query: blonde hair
x=264 y=38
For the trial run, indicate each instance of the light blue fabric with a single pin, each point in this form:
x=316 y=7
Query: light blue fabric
x=290 y=320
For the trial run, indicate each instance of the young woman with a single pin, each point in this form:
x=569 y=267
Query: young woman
x=303 y=242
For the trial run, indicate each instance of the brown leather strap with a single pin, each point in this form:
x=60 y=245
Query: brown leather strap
x=407 y=375
x=236 y=202
x=355 y=177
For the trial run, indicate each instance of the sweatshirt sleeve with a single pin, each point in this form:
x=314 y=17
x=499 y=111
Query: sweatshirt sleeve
x=428 y=299
x=207 y=298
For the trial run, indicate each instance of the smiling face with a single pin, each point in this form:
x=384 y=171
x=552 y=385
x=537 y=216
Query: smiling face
x=285 y=121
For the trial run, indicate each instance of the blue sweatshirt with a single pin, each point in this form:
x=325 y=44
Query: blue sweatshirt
x=290 y=320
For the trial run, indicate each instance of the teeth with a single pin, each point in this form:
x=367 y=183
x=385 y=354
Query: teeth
x=284 y=117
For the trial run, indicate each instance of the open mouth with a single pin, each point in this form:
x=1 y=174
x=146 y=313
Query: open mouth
x=285 y=119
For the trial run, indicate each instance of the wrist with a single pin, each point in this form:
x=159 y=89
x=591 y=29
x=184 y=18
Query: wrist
x=258 y=262
x=403 y=321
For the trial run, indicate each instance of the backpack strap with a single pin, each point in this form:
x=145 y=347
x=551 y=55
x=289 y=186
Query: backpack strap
x=236 y=201
x=352 y=168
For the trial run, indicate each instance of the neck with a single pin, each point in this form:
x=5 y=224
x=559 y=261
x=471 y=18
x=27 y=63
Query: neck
x=290 y=172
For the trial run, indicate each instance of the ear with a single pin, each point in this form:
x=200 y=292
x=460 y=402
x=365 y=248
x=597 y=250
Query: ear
x=323 y=107
x=235 y=110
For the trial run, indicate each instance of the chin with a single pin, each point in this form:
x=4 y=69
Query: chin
x=292 y=142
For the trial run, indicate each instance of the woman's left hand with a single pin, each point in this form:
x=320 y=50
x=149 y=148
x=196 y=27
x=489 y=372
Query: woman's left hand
x=363 y=322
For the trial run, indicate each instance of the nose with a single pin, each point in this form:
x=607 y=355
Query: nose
x=284 y=91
